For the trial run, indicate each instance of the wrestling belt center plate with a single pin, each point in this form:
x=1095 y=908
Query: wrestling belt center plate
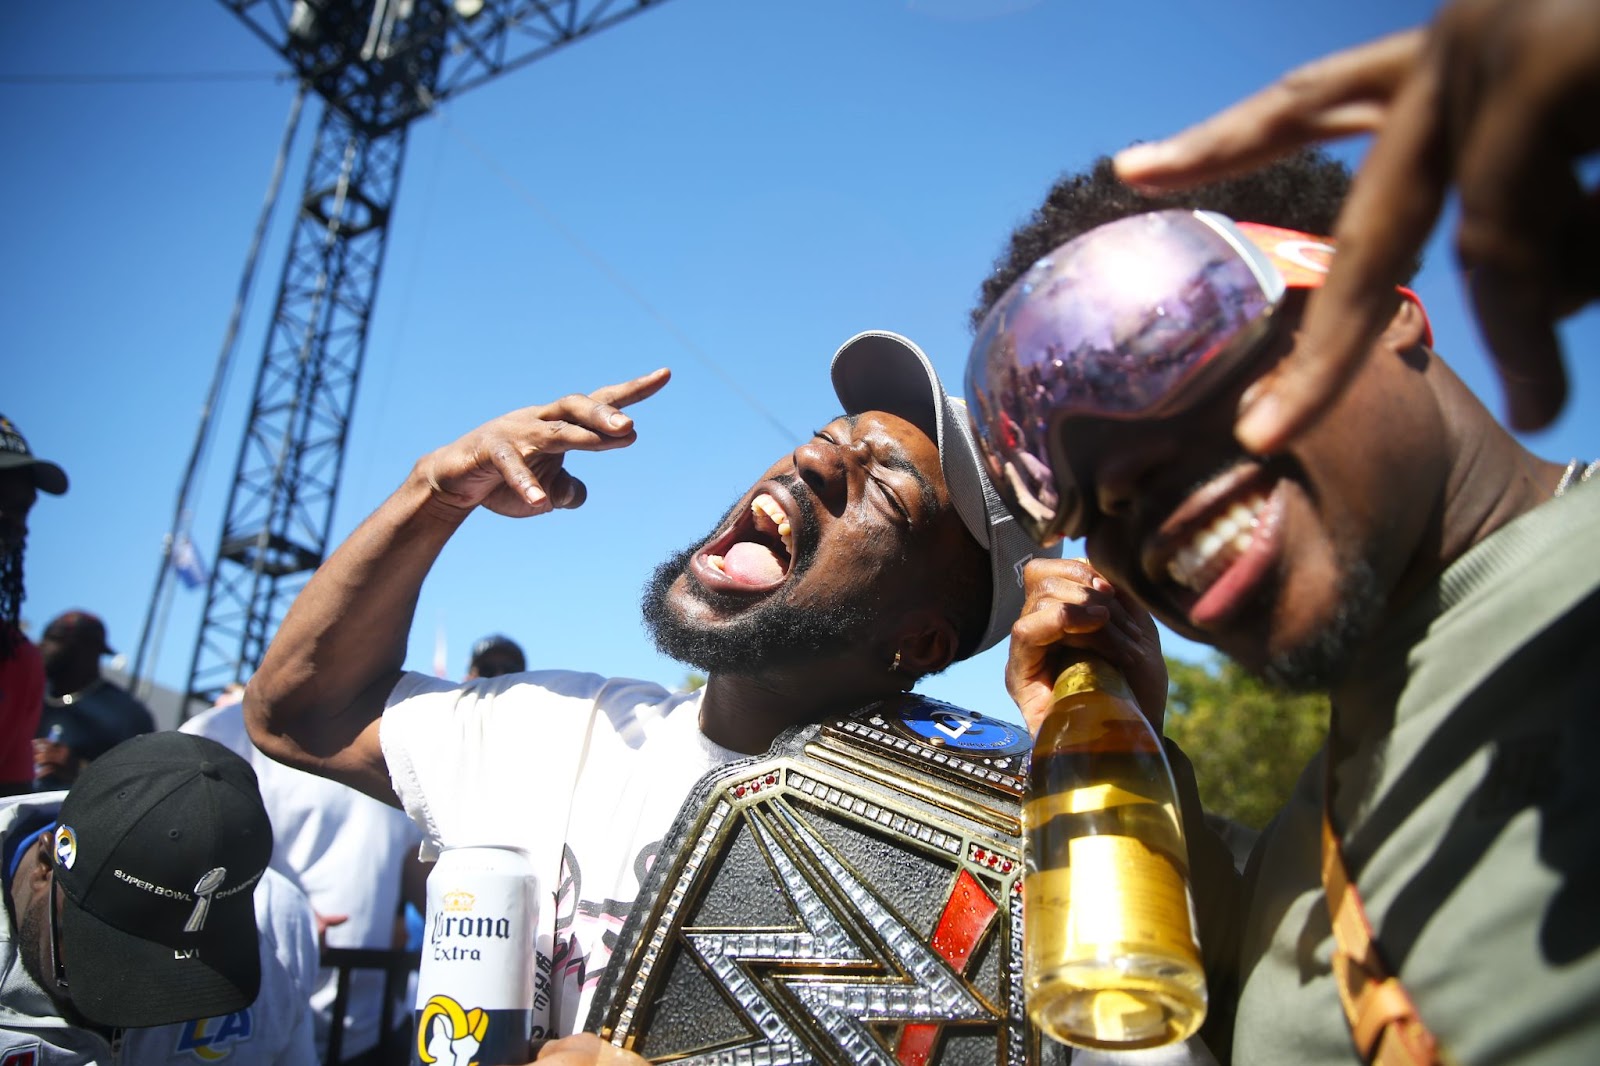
x=852 y=896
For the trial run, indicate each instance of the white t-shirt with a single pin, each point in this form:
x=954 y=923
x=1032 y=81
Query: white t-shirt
x=584 y=773
x=345 y=851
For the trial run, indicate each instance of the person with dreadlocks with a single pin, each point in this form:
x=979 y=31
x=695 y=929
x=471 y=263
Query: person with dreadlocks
x=22 y=478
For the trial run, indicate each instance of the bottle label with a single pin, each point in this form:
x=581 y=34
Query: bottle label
x=1123 y=892
x=1085 y=800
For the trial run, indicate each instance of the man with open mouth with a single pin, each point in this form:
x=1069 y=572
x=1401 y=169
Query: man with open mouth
x=870 y=556
x=1405 y=553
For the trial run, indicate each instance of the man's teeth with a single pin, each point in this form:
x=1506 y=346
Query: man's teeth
x=1214 y=548
x=765 y=506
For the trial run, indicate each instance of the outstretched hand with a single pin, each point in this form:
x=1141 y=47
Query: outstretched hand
x=515 y=465
x=1499 y=98
x=1069 y=605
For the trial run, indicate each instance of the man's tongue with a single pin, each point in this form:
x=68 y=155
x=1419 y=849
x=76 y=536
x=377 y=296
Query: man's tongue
x=753 y=563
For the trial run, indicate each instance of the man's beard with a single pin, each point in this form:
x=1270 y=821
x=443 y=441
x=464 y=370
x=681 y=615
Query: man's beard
x=771 y=634
x=1321 y=662
x=31 y=931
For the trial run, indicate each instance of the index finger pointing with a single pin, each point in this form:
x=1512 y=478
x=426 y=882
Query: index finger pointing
x=631 y=392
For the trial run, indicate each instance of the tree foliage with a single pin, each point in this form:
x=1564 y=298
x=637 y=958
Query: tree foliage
x=1248 y=741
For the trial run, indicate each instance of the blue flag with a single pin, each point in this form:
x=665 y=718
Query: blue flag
x=187 y=564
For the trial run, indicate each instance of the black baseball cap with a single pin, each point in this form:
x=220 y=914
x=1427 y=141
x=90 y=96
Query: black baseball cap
x=80 y=628
x=159 y=846
x=497 y=642
x=15 y=453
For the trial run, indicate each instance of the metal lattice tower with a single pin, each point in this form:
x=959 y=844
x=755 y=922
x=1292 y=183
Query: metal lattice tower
x=377 y=65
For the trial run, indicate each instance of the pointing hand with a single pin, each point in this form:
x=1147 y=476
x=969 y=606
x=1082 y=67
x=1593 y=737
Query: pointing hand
x=514 y=465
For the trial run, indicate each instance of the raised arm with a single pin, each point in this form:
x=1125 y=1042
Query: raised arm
x=316 y=699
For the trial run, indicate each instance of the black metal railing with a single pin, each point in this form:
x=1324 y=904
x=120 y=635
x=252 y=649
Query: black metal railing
x=397 y=966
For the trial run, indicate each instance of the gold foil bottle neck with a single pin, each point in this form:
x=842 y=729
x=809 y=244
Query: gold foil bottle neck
x=1091 y=674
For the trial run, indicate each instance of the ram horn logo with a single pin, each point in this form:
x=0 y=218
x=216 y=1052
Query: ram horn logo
x=448 y=1034
x=66 y=847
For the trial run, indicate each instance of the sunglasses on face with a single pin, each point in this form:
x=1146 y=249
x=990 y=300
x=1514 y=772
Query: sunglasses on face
x=57 y=966
x=1142 y=318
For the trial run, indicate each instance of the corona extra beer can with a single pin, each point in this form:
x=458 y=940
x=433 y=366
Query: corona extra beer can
x=475 y=986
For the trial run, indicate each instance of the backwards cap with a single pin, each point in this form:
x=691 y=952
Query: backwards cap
x=882 y=371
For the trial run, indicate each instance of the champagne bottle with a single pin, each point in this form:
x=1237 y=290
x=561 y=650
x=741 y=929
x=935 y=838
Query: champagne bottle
x=1110 y=959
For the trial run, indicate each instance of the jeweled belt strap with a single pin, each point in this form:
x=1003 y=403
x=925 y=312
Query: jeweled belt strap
x=1384 y=1021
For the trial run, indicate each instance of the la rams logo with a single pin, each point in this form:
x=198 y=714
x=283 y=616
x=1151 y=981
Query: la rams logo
x=66 y=847
x=210 y=1039
x=949 y=728
x=449 y=1034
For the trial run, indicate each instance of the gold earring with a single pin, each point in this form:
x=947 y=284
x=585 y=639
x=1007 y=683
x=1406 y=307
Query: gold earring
x=894 y=666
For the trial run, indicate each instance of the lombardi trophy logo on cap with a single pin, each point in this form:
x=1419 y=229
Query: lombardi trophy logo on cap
x=204 y=889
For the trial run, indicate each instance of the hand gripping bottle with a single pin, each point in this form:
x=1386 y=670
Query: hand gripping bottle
x=1110 y=959
x=475 y=985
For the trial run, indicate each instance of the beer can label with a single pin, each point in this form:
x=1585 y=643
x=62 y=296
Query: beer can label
x=475 y=986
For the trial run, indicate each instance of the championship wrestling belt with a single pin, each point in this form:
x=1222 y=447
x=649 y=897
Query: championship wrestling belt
x=852 y=896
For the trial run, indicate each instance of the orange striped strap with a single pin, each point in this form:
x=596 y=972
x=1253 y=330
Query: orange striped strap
x=1383 y=1020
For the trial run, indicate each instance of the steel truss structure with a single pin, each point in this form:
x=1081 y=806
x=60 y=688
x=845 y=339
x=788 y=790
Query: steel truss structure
x=377 y=65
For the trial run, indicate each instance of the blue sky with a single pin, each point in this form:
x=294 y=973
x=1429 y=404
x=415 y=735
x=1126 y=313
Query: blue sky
x=727 y=187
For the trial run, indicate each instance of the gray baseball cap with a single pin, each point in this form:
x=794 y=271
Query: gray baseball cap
x=882 y=371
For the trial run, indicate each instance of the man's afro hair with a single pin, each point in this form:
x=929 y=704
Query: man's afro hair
x=1302 y=191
